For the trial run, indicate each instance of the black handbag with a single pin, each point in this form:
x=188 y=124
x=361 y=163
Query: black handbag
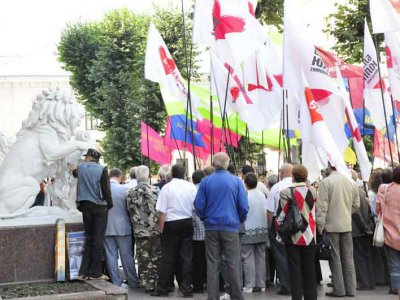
x=293 y=222
x=324 y=247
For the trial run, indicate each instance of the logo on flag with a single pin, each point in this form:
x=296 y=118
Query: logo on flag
x=225 y=24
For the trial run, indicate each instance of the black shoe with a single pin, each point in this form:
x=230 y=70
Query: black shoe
x=149 y=291
x=331 y=294
x=350 y=296
x=198 y=291
x=283 y=291
x=392 y=292
x=159 y=294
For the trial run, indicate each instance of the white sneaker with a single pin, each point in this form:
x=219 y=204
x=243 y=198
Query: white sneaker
x=247 y=290
x=225 y=296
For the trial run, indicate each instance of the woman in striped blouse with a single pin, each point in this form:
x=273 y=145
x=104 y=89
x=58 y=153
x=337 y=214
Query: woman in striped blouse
x=300 y=247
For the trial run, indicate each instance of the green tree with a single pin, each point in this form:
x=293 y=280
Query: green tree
x=270 y=12
x=346 y=24
x=106 y=61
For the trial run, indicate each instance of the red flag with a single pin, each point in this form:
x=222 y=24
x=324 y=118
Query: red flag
x=152 y=145
x=381 y=148
x=331 y=60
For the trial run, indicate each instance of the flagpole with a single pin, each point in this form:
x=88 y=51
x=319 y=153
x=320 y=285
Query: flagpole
x=395 y=127
x=223 y=113
x=148 y=150
x=287 y=127
x=279 y=143
x=283 y=127
x=188 y=71
x=212 y=125
x=263 y=154
x=176 y=143
x=383 y=99
x=230 y=139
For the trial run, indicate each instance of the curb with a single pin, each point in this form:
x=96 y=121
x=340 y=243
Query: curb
x=92 y=295
x=105 y=291
x=111 y=291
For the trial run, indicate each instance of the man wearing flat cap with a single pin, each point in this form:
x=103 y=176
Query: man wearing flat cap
x=93 y=200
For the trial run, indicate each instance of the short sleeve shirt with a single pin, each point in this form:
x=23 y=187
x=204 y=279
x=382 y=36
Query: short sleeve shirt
x=272 y=202
x=176 y=200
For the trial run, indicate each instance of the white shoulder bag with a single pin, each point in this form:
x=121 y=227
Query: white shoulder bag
x=379 y=234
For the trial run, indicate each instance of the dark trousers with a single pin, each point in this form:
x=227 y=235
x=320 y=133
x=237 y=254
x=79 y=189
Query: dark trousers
x=362 y=252
x=176 y=245
x=281 y=262
x=301 y=261
x=225 y=243
x=199 y=265
x=95 y=224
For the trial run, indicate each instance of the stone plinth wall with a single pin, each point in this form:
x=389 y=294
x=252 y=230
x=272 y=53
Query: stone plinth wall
x=27 y=253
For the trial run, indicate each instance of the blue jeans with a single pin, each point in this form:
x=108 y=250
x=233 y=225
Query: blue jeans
x=121 y=245
x=393 y=257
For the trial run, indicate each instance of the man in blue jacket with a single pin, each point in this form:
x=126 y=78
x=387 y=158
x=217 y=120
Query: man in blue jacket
x=221 y=203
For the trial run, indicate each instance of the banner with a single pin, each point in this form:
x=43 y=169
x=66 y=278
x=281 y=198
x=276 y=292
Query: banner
x=152 y=145
x=75 y=245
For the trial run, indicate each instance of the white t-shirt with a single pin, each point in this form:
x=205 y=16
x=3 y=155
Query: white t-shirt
x=176 y=200
x=256 y=216
x=272 y=202
x=131 y=184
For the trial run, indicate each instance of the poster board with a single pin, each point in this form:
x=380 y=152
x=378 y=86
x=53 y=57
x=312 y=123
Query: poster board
x=75 y=245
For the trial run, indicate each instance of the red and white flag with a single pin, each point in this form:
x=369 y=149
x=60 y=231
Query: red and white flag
x=392 y=49
x=160 y=67
x=229 y=28
x=301 y=56
x=263 y=89
x=362 y=157
x=319 y=143
x=385 y=15
x=372 y=84
x=233 y=90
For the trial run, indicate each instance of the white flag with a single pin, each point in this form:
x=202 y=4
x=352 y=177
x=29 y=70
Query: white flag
x=263 y=89
x=392 y=49
x=385 y=15
x=229 y=28
x=233 y=95
x=301 y=56
x=372 y=84
x=317 y=133
x=160 y=67
x=362 y=157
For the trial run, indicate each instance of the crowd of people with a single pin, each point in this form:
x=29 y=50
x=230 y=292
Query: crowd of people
x=228 y=235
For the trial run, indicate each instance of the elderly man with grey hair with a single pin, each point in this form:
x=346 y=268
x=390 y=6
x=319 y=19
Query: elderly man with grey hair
x=162 y=176
x=222 y=204
x=141 y=202
x=132 y=178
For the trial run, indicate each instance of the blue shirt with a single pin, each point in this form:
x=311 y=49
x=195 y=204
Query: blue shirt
x=221 y=202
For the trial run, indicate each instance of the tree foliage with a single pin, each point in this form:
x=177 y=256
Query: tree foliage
x=106 y=60
x=270 y=12
x=347 y=26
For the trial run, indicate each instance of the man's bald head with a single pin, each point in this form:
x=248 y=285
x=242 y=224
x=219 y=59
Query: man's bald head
x=221 y=161
x=286 y=170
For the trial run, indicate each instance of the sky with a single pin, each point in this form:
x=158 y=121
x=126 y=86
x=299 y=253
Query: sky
x=32 y=28
x=28 y=25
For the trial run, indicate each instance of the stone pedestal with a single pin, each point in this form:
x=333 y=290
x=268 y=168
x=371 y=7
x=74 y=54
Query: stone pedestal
x=27 y=248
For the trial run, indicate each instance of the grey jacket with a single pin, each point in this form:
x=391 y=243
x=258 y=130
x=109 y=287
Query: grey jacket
x=337 y=199
x=118 y=218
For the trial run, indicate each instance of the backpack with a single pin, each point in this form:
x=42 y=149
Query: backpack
x=293 y=222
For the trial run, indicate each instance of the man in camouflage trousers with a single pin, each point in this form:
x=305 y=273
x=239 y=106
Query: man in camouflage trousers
x=141 y=203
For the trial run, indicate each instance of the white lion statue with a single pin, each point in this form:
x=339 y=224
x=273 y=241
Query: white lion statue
x=43 y=143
